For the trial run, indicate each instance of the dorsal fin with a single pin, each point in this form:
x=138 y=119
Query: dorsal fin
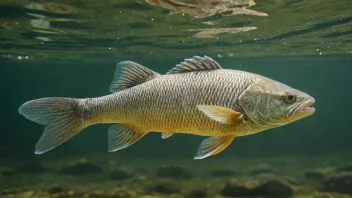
x=195 y=64
x=129 y=74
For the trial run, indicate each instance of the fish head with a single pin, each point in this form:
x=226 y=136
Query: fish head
x=270 y=104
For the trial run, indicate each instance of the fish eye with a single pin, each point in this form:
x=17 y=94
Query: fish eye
x=290 y=97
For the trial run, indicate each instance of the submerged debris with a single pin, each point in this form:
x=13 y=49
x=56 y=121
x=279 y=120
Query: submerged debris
x=268 y=187
x=55 y=8
x=206 y=8
x=212 y=32
x=208 y=22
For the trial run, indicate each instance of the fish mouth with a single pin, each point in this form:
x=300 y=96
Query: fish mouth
x=305 y=108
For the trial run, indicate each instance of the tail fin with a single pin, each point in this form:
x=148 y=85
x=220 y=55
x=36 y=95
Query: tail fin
x=62 y=117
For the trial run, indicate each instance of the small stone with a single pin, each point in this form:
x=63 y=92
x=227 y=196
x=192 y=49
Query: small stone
x=55 y=190
x=316 y=175
x=149 y=196
x=339 y=183
x=112 y=194
x=345 y=168
x=197 y=194
x=268 y=187
x=80 y=168
x=292 y=180
x=100 y=194
x=165 y=188
x=142 y=178
x=222 y=173
x=71 y=193
x=31 y=168
x=174 y=172
x=120 y=174
x=125 y=194
x=276 y=188
x=27 y=194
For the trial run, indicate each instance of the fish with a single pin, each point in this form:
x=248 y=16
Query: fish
x=196 y=97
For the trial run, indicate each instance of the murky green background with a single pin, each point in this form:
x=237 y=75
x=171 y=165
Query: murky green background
x=71 y=48
x=326 y=132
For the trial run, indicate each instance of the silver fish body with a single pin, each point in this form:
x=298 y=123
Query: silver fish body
x=168 y=103
x=197 y=97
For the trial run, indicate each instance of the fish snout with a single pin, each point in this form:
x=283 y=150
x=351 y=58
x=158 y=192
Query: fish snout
x=305 y=109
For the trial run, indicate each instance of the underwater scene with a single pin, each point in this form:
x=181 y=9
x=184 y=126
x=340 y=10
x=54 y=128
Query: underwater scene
x=176 y=98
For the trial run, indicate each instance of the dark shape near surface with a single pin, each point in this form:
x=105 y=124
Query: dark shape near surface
x=174 y=172
x=260 y=187
x=81 y=168
x=207 y=8
x=213 y=32
x=339 y=183
x=120 y=174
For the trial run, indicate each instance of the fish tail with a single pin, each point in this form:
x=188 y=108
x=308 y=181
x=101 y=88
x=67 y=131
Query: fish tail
x=63 y=118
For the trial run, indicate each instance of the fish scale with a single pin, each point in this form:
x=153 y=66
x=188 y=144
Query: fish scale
x=155 y=111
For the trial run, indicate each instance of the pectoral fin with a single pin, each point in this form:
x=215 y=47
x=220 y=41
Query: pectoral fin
x=222 y=114
x=165 y=135
x=213 y=145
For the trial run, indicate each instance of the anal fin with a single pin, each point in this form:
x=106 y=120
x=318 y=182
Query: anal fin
x=213 y=145
x=122 y=136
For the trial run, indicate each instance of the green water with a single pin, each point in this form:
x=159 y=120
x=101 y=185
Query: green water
x=306 y=45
